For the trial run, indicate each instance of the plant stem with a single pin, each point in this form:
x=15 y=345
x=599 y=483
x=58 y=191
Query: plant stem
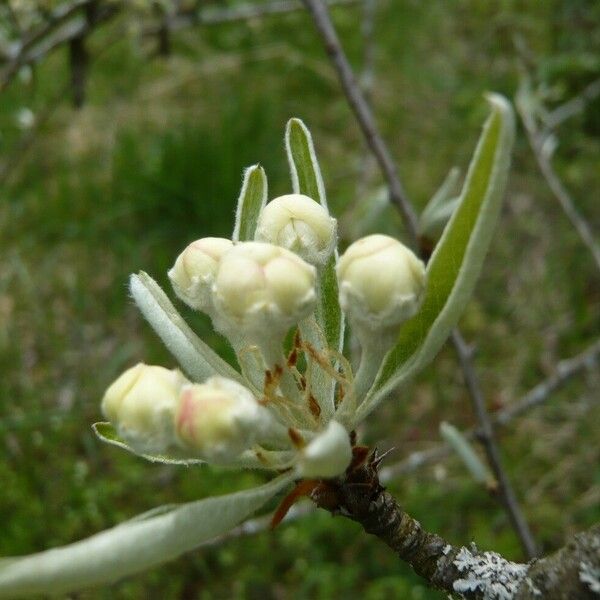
x=488 y=440
x=455 y=569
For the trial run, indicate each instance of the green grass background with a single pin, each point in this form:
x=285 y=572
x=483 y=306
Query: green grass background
x=154 y=160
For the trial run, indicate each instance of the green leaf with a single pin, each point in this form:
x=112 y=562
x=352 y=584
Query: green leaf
x=108 y=434
x=132 y=546
x=307 y=180
x=252 y=200
x=269 y=459
x=304 y=167
x=196 y=358
x=457 y=259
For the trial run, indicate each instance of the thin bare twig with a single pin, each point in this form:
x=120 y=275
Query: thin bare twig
x=398 y=196
x=367 y=80
x=240 y=12
x=66 y=23
x=538 y=143
x=363 y=115
x=492 y=452
x=572 y=106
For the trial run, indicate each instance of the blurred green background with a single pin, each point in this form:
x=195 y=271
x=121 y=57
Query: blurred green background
x=153 y=160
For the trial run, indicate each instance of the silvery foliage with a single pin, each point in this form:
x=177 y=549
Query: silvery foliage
x=166 y=532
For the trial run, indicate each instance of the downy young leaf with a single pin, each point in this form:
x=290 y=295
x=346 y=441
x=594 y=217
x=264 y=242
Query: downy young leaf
x=269 y=459
x=133 y=546
x=456 y=260
x=108 y=434
x=307 y=180
x=252 y=200
x=304 y=167
x=441 y=206
x=197 y=359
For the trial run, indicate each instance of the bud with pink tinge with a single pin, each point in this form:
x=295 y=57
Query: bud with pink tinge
x=219 y=419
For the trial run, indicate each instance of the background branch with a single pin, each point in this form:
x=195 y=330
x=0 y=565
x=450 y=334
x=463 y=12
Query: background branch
x=542 y=145
x=398 y=196
x=487 y=437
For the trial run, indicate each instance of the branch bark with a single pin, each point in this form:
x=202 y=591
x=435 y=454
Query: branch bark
x=572 y=573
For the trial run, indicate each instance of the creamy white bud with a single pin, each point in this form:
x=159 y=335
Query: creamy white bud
x=220 y=418
x=299 y=224
x=381 y=282
x=263 y=288
x=141 y=404
x=194 y=271
x=328 y=455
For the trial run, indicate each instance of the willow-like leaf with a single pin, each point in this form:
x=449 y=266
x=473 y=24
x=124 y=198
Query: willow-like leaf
x=132 y=546
x=196 y=358
x=307 y=180
x=457 y=259
x=252 y=200
x=108 y=434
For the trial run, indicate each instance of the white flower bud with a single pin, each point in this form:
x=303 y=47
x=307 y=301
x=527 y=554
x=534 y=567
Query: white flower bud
x=220 y=419
x=193 y=273
x=141 y=404
x=328 y=455
x=381 y=282
x=263 y=288
x=299 y=224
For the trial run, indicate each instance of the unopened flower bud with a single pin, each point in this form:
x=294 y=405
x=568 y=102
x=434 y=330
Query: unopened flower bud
x=263 y=288
x=328 y=455
x=220 y=419
x=141 y=404
x=193 y=273
x=299 y=224
x=381 y=282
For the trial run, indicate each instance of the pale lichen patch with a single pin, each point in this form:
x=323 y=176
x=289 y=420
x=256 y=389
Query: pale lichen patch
x=590 y=575
x=494 y=577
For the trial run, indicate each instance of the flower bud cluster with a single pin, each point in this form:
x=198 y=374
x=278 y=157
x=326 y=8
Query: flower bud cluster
x=255 y=291
x=248 y=287
x=154 y=408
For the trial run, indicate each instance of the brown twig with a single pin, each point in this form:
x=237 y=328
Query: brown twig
x=398 y=196
x=569 y=573
x=363 y=115
x=488 y=439
x=543 y=155
x=67 y=23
